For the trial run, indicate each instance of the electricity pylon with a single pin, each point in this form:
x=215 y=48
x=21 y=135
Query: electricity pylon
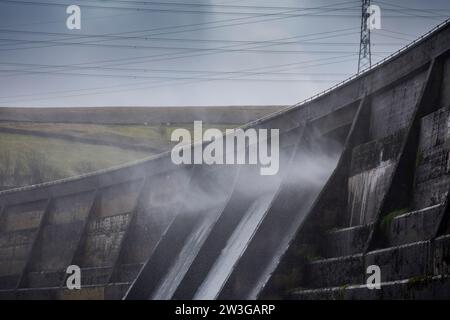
x=365 y=55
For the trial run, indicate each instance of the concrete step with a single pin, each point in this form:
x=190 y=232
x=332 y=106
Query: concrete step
x=432 y=192
x=441 y=263
x=335 y=272
x=9 y=281
x=402 y=262
x=432 y=164
x=399 y=262
x=14 y=250
x=366 y=156
x=345 y=241
x=114 y=291
x=44 y=279
x=407 y=228
x=437 y=287
x=89 y=276
x=16 y=238
x=95 y=276
x=434 y=129
x=414 y=226
x=127 y=272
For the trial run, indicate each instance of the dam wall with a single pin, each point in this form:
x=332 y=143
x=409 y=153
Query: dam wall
x=364 y=179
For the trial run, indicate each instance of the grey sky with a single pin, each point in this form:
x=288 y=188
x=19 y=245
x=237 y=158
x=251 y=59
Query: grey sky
x=237 y=61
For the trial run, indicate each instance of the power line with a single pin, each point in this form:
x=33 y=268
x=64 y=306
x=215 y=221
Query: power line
x=202 y=5
x=391 y=36
x=162 y=57
x=146 y=38
x=242 y=42
x=147 y=9
x=187 y=49
x=109 y=16
x=190 y=30
x=210 y=5
x=400 y=33
x=216 y=49
x=287 y=66
x=185 y=56
x=155 y=3
x=406 y=8
x=180 y=48
x=172 y=11
x=162 y=70
x=133 y=85
x=165 y=77
x=134 y=76
x=215 y=12
x=198 y=80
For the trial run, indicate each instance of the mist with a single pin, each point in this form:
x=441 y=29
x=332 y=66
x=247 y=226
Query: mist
x=211 y=201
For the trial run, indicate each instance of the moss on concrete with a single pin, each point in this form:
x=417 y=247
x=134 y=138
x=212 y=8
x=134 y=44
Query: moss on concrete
x=386 y=222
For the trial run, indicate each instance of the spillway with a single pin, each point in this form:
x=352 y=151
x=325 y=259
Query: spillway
x=234 y=249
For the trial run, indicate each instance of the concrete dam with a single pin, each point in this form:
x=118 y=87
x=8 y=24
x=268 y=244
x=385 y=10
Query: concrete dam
x=363 y=181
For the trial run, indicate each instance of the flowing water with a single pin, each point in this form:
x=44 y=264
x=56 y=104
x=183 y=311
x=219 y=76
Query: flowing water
x=235 y=247
x=366 y=190
x=173 y=278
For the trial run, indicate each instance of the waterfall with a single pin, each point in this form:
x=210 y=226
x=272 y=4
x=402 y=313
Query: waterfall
x=173 y=278
x=366 y=190
x=235 y=247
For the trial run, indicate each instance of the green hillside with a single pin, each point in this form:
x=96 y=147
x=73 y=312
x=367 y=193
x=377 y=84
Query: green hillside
x=41 y=145
x=27 y=159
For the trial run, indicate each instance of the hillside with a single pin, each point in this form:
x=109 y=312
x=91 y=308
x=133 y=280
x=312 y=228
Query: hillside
x=138 y=115
x=40 y=145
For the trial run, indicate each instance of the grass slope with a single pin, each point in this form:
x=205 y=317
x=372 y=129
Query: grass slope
x=44 y=144
x=26 y=159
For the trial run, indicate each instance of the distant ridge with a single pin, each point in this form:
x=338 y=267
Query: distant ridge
x=138 y=115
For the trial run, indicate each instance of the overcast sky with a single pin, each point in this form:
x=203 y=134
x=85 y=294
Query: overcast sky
x=192 y=52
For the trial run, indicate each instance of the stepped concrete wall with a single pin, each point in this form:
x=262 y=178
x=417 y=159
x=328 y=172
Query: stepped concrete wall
x=392 y=126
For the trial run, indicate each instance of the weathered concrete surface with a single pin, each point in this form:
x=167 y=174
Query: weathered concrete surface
x=397 y=196
x=393 y=122
x=336 y=271
x=415 y=226
x=437 y=288
x=345 y=241
x=410 y=267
